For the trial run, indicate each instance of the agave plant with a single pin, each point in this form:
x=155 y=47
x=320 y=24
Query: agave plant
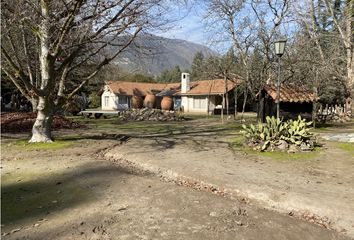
x=274 y=129
x=265 y=134
x=298 y=132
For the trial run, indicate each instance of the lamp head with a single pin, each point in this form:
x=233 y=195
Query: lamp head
x=279 y=46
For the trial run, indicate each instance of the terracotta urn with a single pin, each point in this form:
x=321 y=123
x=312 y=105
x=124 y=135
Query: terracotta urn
x=167 y=103
x=137 y=102
x=149 y=101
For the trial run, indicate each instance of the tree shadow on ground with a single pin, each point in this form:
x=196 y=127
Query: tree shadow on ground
x=103 y=136
x=35 y=199
x=159 y=133
x=335 y=126
x=198 y=142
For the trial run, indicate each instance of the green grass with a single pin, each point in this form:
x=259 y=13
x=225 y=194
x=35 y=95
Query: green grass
x=213 y=124
x=330 y=127
x=201 y=117
x=133 y=127
x=57 y=144
x=238 y=144
x=277 y=155
x=348 y=147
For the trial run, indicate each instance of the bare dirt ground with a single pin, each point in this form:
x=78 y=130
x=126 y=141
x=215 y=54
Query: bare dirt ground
x=315 y=186
x=70 y=191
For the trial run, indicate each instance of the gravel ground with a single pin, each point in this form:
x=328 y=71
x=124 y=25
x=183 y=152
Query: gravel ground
x=70 y=192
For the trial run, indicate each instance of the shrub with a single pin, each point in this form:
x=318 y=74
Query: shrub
x=95 y=100
x=276 y=133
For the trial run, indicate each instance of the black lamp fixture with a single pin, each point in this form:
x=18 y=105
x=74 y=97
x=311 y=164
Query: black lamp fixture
x=279 y=47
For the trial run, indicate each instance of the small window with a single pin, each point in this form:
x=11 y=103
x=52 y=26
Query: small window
x=106 y=101
x=123 y=100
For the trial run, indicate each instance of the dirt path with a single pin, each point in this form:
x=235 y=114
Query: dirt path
x=318 y=189
x=68 y=193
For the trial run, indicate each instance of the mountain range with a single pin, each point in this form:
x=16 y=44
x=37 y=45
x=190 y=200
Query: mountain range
x=151 y=54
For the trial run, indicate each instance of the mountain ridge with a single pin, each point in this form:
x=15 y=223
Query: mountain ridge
x=151 y=54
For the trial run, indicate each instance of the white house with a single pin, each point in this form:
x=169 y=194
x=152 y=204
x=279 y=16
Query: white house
x=112 y=101
x=195 y=97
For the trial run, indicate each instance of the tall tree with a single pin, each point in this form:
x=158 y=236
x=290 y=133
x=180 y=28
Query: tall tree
x=250 y=27
x=63 y=36
x=197 y=66
x=321 y=56
x=342 y=15
x=170 y=75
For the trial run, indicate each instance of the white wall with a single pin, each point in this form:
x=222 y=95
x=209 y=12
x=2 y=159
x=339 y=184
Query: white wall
x=185 y=104
x=185 y=83
x=188 y=104
x=115 y=102
x=112 y=100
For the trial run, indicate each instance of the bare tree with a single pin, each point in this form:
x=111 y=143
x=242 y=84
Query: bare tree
x=250 y=28
x=343 y=20
x=62 y=36
x=319 y=57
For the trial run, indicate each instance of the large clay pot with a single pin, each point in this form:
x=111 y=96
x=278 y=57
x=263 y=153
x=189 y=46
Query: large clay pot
x=149 y=101
x=137 y=102
x=166 y=103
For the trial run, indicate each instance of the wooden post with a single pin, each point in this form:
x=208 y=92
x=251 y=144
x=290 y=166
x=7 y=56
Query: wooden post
x=222 y=108
x=235 y=96
x=208 y=106
x=314 y=107
x=226 y=96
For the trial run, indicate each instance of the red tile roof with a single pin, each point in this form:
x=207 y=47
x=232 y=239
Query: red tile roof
x=203 y=87
x=290 y=93
x=139 y=89
x=212 y=87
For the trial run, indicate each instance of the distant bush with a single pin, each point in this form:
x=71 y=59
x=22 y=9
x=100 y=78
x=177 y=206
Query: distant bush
x=95 y=100
x=76 y=104
x=275 y=134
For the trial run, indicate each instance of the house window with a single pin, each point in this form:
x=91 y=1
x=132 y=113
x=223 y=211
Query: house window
x=199 y=102
x=106 y=101
x=123 y=100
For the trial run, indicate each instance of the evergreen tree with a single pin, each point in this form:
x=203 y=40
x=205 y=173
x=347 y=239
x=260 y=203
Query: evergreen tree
x=169 y=76
x=198 y=66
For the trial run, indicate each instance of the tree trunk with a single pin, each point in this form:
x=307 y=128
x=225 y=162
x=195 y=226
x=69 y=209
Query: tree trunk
x=226 y=97
x=34 y=104
x=244 y=101
x=13 y=103
x=41 y=131
x=227 y=105
x=348 y=42
x=222 y=108
x=235 y=95
x=208 y=106
x=350 y=76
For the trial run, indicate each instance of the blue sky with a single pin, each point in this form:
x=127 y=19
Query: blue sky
x=189 y=27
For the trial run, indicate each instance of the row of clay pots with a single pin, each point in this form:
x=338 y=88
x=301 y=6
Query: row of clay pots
x=150 y=102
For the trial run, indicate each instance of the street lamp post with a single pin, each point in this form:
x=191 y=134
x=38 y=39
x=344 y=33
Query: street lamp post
x=279 y=46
